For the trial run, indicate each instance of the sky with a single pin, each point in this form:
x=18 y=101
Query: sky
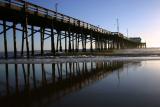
x=140 y=17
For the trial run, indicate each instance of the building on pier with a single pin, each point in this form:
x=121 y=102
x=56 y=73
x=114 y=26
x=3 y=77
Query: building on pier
x=138 y=39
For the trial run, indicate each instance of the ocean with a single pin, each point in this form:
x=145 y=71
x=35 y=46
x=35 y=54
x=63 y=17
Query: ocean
x=82 y=81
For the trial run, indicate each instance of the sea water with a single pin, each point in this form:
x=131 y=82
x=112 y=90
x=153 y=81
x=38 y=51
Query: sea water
x=85 y=83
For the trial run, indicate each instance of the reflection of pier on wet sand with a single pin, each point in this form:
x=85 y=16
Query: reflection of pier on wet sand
x=35 y=84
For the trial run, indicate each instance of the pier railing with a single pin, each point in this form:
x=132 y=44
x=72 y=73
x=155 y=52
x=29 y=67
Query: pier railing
x=35 y=9
x=51 y=14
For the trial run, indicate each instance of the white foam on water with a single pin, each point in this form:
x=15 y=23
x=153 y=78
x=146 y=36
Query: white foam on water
x=75 y=59
x=153 y=54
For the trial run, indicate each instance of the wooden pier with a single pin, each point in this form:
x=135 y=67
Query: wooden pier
x=65 y=34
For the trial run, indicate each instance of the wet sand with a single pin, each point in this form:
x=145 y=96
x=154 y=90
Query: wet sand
x=122 y=54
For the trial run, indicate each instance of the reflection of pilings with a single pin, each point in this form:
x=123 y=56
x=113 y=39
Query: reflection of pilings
x=76 y=76
x=16 y=78
x=7 y=79
x=66 y=66
x=75 y=69
x=61 y=65
x=44 y=80
x=34 y=76
x=59 y=72
x=24 y=74
x=28 y=77
x=53 y=73
x=70 y=68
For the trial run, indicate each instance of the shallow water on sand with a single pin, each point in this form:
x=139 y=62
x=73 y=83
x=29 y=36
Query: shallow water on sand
x=126 y=52
x=115 y=83
x=149 y=51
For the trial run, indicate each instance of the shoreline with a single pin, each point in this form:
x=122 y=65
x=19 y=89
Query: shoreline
x=76 y=59
x=87 y=54
x=122 y=54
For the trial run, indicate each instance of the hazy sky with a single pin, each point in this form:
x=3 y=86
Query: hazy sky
x=141 y=17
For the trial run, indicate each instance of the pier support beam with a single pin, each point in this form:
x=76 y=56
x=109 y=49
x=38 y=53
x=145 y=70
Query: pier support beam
x=91 y=45
x=26 y=30
x=85 y=42
x=42 y=41
x=23 y=35
x=52 y=41
x=60 y=41
x=5 y=39
x=69 y=36
x=32 y=39
x=73 y=42
x=27 y=44
x=65 y=41
x=14 y=40
x=77 y=42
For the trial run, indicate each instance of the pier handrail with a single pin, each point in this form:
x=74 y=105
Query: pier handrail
x=55 y=15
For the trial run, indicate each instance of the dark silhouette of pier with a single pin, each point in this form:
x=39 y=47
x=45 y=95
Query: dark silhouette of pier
x=66 y=34
x=33 y=83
